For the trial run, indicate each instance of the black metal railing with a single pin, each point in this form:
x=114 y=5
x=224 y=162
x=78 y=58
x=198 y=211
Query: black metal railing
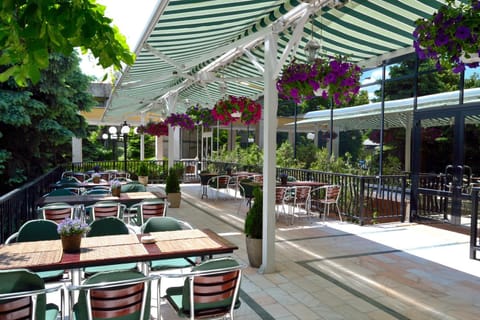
x=363 y=200
x=18 y=206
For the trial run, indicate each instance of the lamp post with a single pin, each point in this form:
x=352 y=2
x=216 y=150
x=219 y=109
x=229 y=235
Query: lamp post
x=125 y=130
x=113 y=136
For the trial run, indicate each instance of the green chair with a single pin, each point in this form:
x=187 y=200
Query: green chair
x=61 y=192
x=148 y=208
x=38 y=230
x=118 y=295
x=133 y=187
x=107 y=227
x=23 y=296
x=210 y=290
x=161 y=224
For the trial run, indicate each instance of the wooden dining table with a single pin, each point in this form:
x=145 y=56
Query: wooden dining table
x=127 y=198
x=113 y=249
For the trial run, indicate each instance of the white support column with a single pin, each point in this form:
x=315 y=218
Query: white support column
x=269 y=164
x=173 y=134
x=159 y=148
x=77 y=155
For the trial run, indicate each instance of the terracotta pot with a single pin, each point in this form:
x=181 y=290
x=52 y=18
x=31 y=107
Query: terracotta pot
x=71 y=244
x=116 y=192
x=96 y=179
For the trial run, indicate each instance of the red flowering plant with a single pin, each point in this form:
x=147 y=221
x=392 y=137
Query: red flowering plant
x=450 y=36
x=201 y=116
x=225 y=110
x=157 y=129
x=181 y=120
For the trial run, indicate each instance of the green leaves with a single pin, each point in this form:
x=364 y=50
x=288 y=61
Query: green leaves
x=30 y=30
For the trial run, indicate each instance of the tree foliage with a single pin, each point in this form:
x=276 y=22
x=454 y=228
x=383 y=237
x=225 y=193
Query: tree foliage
x=37 y=122
x=30 y=30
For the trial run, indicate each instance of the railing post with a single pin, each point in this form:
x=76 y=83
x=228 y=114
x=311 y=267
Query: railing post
x=362 y=200
x=473 y=224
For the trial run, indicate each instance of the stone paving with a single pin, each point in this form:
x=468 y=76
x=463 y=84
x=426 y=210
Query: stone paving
x=338 y=270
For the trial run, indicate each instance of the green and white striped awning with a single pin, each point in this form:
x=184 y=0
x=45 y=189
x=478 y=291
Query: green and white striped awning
x=198 y=51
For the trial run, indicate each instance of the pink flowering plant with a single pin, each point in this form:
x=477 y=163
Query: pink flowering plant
x=201 y=116
x=225 y=110
x=334 y=77
x=450 y=35
x=181 y=120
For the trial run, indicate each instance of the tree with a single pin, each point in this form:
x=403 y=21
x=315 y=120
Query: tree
x=31 y=30
x=37 y=122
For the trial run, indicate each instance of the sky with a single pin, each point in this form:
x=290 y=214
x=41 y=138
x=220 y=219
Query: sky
x=131 y=17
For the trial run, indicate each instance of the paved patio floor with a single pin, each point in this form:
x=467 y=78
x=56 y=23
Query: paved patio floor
x=338 y=270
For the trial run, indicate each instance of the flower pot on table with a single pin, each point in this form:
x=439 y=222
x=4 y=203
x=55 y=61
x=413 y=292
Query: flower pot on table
x=71 y=244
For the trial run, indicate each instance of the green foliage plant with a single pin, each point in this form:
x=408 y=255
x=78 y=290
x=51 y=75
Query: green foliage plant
x=142 y=169
x=172 y=185
x=31 y=30
x=253 y=227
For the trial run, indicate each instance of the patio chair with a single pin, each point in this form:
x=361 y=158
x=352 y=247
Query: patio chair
x=94 y=191
x=56 y=211
x=38 y=230
x=106 y=227
x=209 y=291
x=147 y=209
x=298 y=198
x=112 y=295
x=161 y=224
x=23 y=296
x=103 y=209
x=280 y=200
x=62 y=192
x=218 y=183
x=332 y=194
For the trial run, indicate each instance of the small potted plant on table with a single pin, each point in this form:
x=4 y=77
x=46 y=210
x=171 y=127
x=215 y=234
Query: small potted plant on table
x=71 y=232
x=142 y=173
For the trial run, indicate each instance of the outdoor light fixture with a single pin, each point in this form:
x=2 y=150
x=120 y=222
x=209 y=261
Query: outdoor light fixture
x=125 y=130
x=312 y=46
x=310 y=136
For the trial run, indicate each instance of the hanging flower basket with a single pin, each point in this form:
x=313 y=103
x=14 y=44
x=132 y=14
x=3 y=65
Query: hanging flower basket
x=233 y=108
x=181 y=120
x=333 y=77
x=157 y=129
x=296 y=82
x=450 y=36
x=201 y=116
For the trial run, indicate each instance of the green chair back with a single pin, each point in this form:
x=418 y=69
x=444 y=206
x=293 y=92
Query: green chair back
x=22 y=280
x=38 y=230
x=159 y=224
x=133 y=187
x=107 y=226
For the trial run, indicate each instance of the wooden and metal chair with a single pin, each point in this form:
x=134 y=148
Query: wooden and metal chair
x=147 y=209
x=122 y=295
x=23 y=296
x=332 y=194
x=103 y=209
x=56 y=211
x=218 y=183
x=209 y=291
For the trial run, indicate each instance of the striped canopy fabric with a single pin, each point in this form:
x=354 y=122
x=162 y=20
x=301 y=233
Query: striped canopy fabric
x=196 y=52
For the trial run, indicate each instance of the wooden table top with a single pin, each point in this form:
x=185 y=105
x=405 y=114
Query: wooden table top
x=96 y=251
x=126 y=198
